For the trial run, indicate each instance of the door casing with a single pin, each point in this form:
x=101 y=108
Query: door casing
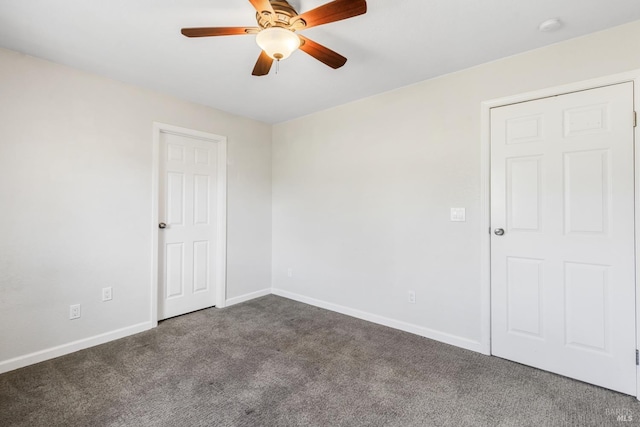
x=485 y=185
x=221 y=261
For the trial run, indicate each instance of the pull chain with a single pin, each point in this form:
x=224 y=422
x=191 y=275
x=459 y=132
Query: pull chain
x=277 y=66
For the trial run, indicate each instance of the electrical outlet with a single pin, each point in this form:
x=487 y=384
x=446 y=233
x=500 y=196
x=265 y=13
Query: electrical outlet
x=290 y=272
x=74 y=311
x=412 y=297
x=107 y=294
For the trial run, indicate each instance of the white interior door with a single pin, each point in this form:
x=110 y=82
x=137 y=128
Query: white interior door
x=562 y=274
x=189 y=224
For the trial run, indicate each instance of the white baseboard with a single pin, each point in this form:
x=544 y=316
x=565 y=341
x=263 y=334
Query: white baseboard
x=61 y=350
x=385 y=321
x=247 y=297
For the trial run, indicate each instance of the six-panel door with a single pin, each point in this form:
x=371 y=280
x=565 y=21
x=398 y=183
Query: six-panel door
x=562 y=274
x=187 y=246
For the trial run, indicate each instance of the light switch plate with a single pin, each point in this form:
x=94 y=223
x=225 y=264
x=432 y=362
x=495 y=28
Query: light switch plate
x=458 y=214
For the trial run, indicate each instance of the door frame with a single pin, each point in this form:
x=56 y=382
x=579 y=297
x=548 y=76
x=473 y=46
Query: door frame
x=485 y=189
x=221 y=231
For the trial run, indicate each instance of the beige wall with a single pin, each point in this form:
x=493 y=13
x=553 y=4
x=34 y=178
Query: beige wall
x=75 y=198
x=360 y=203
x=362 y=192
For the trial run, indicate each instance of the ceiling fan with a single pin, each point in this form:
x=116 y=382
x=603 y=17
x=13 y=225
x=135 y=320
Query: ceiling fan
x=277 y=23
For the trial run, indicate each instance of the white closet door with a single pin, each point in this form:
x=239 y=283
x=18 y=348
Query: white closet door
x=562 y=246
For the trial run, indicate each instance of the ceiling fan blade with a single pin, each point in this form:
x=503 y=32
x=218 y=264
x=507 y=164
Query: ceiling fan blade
x=263 y=66
x=337 y=10
x=262 y=5
x=321 y=53
x=218 y=31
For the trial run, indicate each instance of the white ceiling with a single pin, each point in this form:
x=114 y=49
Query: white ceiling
x=396 y=43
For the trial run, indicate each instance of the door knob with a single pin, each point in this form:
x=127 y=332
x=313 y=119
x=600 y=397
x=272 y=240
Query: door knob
x=498 y=231
x=162 y=225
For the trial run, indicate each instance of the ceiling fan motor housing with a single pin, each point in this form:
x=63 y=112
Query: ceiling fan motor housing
x=285 y=17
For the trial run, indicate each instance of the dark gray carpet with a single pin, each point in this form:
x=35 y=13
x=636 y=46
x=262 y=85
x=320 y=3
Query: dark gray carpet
x=275 y=362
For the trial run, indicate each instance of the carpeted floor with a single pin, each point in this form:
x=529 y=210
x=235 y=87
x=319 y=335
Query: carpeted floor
x=276 y=362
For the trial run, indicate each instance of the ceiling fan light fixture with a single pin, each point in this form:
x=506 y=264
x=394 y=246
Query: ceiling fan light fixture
x=278 y=42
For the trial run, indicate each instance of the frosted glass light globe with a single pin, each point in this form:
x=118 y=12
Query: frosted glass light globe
x=278 y=42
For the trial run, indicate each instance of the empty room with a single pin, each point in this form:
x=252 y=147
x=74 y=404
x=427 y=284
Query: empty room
x=319 y=213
